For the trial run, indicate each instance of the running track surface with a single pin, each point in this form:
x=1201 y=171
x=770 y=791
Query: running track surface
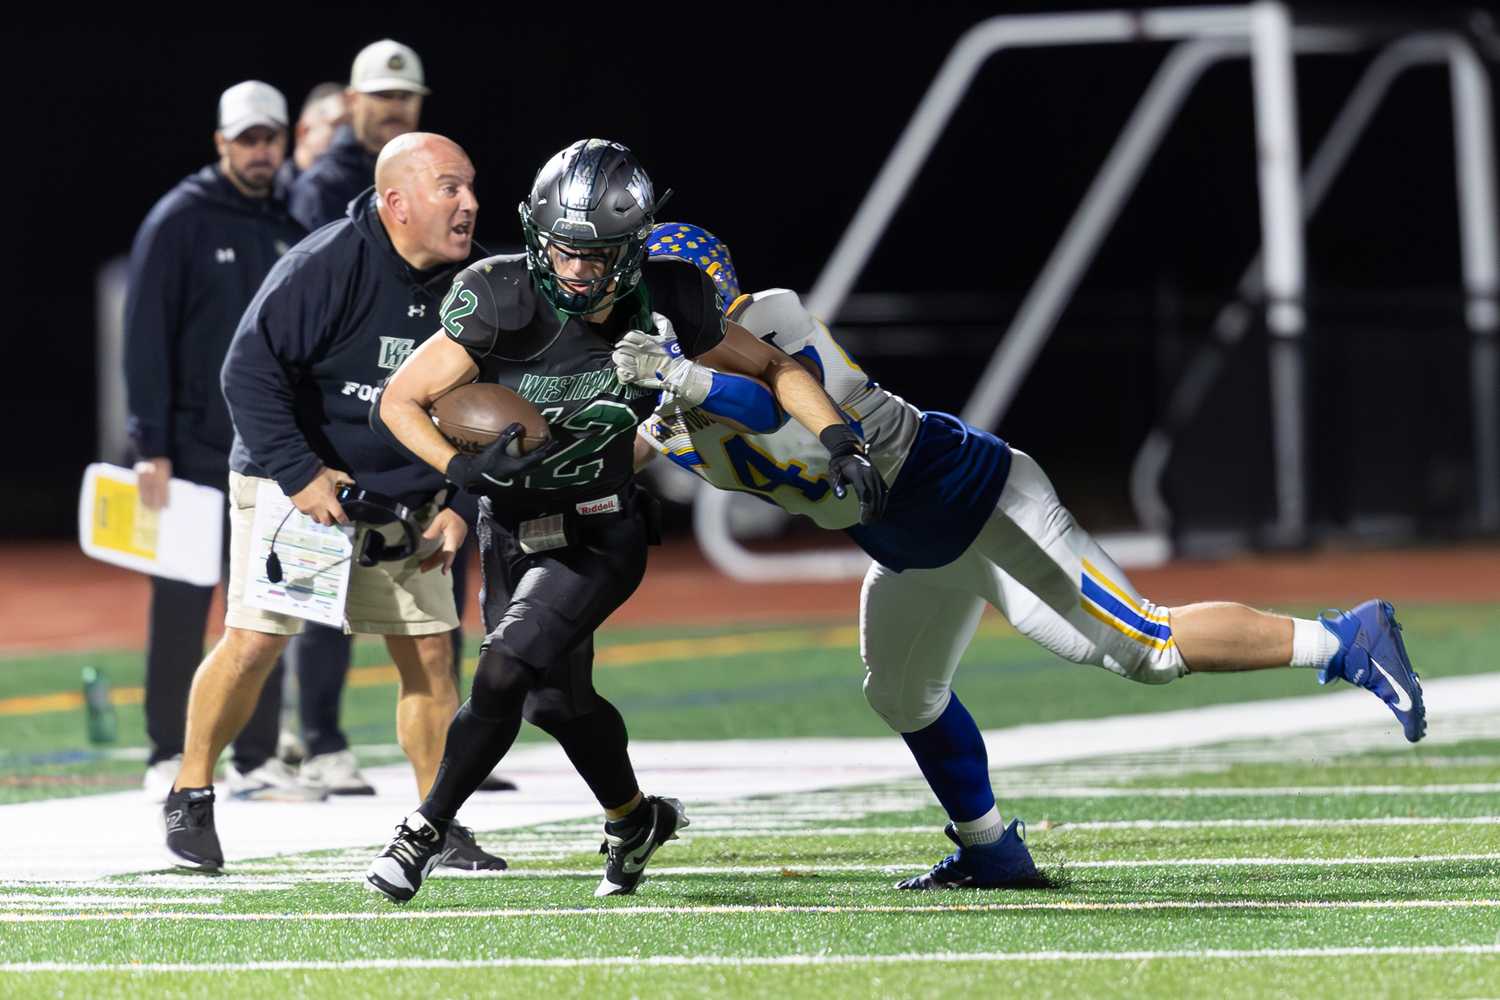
x=53 y=597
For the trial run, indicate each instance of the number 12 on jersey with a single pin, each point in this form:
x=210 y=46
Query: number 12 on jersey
x=594 y=426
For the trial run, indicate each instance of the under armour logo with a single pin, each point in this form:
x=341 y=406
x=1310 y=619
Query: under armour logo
x=224 y=256
x=416 y=310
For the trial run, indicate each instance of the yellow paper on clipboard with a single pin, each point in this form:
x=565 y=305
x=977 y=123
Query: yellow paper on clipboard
x=121 y=522
x=182 y=541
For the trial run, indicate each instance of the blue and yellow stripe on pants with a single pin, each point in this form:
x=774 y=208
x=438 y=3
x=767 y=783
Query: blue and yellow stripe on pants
x=1118 y=610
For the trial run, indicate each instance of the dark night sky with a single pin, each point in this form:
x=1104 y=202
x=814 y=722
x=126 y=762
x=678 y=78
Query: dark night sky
x=769 y=127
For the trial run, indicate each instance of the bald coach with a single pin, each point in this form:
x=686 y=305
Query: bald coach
x=335 y=316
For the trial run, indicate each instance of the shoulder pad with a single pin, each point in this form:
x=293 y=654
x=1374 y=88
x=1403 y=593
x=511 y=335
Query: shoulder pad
x=777 y=313
x=487 y=297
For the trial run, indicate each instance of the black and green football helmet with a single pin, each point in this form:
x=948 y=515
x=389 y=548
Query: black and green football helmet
x=591 y=197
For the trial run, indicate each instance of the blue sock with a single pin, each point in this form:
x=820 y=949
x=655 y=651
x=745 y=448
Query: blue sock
x=952 y=757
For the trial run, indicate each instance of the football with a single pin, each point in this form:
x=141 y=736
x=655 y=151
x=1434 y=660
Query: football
x=471 y=416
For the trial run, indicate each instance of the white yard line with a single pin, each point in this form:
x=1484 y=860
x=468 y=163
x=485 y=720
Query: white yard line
x=1210 y=824
x=60 y=839
x=1273 y=862
x=774 y=960
x=125 y=908
x=1125 y=824
x=1397 y=904
x=1048 y=792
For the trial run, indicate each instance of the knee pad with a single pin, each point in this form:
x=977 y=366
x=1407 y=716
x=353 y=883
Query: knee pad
x=501 y=682
x=1145 y=660
x=1155 y=666
x=549 y=709
x=906 y=711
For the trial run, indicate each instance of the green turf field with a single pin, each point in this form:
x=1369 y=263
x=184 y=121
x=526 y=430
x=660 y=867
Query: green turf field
x=1308 y=868
x=692 y=684
x=1313 y=867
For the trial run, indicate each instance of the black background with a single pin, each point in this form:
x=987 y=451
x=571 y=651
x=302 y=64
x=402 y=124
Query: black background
x=769 y=122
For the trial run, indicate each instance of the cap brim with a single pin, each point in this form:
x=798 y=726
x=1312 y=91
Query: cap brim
x=390 y=83
x=233 y=129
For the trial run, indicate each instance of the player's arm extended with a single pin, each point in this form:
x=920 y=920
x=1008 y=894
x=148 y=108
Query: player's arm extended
x=798 y=392
x=437 y=366
x=802 y=395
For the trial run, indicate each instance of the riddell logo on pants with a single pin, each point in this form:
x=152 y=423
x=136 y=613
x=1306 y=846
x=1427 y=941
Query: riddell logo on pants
x=609 y=505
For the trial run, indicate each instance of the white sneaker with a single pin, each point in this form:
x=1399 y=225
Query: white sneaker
x=273 y=781
x=335 y=773
x=290 y=748
x=160 y=777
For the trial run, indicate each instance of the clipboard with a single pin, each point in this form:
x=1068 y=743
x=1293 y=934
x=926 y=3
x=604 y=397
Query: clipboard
x=182 y=541
x=315 y=561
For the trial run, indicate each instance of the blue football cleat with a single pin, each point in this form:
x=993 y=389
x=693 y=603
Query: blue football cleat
x=1372 y=655
x=1005 y=864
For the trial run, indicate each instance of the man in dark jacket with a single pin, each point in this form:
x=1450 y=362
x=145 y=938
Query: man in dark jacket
x=323 y=110
x=386 y=87
x=332 y=320
x=196 y=263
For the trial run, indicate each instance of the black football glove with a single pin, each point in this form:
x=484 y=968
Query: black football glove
x=500 y=464
x=847 y=464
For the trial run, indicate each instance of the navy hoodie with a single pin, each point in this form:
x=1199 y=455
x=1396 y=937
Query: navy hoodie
x=196 y=263
x=335 y=317
x=321 y=193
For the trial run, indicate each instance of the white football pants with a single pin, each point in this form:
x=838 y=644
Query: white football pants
x=1041 y=571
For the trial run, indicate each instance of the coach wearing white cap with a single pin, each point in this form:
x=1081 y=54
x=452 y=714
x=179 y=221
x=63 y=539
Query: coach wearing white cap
x=196 y=263
x=386 y=87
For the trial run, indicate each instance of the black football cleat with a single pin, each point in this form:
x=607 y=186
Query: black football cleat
x=412 y=853
x=191 y=837
x=461 y=851
x=627 y=851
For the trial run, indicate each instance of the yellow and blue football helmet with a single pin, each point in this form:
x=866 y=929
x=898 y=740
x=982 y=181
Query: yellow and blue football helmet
x=700 y=247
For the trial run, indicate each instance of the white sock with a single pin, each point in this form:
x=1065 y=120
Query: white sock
x=1313 y=644
x=985 y=830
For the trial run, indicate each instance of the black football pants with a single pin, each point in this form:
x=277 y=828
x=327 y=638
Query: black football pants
x=540 y=613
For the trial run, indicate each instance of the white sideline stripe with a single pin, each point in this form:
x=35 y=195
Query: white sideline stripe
x=1249 y=904
x=733 y=961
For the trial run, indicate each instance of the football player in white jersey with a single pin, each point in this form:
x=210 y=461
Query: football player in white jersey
x=969 y=521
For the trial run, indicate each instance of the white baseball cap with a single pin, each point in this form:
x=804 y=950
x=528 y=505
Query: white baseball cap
x=387 y=65
x=248 y=104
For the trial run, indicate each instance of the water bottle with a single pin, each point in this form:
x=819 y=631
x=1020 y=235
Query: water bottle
x=102 y=725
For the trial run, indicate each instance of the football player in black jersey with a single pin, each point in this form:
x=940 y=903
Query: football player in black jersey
x=563 y=530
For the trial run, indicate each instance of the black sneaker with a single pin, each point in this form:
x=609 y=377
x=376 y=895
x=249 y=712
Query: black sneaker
x=460 y=851
x=629 y=850
x=191 y=837
x=412 y=853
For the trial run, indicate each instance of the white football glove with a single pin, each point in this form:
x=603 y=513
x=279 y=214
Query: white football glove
x=654 y=361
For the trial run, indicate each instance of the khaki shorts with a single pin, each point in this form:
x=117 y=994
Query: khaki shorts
x=389 y=598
